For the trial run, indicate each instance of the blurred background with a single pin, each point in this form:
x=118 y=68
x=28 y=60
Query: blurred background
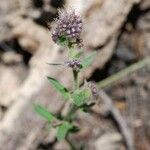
x=120 y=33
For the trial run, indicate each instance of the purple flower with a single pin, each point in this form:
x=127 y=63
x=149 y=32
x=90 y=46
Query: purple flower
x=68 y=28
x=74 y=64
x=93 y=89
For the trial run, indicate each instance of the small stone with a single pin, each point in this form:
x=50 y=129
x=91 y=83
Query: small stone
x=11 y=58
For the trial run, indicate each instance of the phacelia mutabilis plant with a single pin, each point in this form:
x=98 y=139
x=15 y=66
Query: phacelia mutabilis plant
x=67 y=33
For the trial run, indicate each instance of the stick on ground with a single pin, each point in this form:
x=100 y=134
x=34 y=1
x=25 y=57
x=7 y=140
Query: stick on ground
x=114 y=112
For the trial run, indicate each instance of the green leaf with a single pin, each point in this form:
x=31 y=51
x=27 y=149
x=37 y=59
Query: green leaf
x=74 y=54
x=87 y=61
x=80 y=96
x=42 y=111
x=74 y=129
x=86 y=107
x=62 y=130
x=55 y=64
x=59 y=116
x=64 y=41
x=82 y=147
x=59 y=87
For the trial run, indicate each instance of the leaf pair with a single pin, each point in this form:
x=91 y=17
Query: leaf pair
x=86 y=62
x=63 y=129
x=79 y=96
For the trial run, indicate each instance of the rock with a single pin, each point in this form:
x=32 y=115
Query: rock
x=10 y=80
x=7 y=7
x=62 y=145
x=106 y=24
x=108 y=141
x=145 y=4
x=10 y=58
x=125 y=54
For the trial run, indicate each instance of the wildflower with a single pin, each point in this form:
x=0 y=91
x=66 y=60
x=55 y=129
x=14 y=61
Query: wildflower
x=68 y=28
x=74 y=64
x=93 y=89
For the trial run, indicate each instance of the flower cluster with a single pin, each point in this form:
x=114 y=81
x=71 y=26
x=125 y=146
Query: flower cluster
x=68 y=27
x=93 y=89
x=74 y=64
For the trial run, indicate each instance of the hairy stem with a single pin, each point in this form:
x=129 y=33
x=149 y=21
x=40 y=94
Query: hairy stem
x=112 y=79
x=75 y=75
x=71 y=112
x=69 y=118
x=73 y=108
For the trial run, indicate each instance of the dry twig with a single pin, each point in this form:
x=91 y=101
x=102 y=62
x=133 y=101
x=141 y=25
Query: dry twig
x=110 y=109
x=110 y=80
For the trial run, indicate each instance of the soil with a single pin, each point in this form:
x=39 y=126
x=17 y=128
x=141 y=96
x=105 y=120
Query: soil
x=130 y=95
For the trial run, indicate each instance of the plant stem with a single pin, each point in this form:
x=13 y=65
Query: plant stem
x=75 y=75
x=70 y=113
x=68 y=117
x=110 y=80
x=73 y=108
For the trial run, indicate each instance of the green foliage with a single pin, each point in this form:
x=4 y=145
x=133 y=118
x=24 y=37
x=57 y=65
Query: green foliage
x=55 y=64
x=63 y=41
x=87 y=61
x=80 y=96
x=44 y=112
x=59 y=87
x=86 y=107
x=74 y=129
x=74 y=54
x=59 y=116
x=62 y=130
x=82 y=147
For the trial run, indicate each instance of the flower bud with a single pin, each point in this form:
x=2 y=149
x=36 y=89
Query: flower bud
x=93 y=89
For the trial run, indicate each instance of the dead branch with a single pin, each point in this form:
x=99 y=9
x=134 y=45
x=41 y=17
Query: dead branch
x=110 y=109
